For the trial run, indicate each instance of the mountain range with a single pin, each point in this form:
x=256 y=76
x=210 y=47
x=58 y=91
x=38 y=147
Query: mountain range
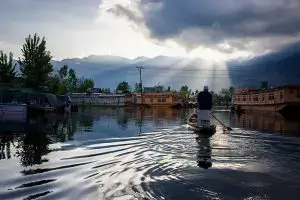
x=278 y=68
x=108 y=71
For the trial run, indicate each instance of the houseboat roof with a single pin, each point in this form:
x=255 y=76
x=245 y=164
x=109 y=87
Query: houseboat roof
x=155 y=93
x=252 y=90
x=97 y=95
x=20 y=89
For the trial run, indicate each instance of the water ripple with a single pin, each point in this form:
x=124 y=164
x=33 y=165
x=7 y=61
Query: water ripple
x=166 y=164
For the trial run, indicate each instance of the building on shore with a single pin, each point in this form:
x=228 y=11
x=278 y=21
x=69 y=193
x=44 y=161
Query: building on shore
x=96 y=99
x=158 y=98
x=280 y=99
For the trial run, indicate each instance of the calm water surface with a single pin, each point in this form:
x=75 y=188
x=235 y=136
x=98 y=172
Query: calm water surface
x=132 y=154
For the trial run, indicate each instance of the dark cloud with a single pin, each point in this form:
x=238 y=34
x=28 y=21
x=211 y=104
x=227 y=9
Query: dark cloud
x=207 y=22
x=120 y=10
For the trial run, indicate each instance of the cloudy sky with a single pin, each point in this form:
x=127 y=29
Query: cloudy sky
x=212 y=29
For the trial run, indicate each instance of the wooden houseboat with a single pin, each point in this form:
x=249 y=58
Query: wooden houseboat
x=281 y=99
x=158 y=99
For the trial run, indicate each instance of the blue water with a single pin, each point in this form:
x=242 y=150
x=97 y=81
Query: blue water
x=132 y=154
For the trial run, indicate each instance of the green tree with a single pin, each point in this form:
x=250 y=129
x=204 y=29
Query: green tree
x=231 y=90
x=184 y=91
x=105 y=90
x=63 y=73
x=85 y=85
x=35 y=65
x=7 y=69
x=137 y=87
x=54 y=84
x=123 y=87
x=264 y=84
x=72 y=80
x=169 y=89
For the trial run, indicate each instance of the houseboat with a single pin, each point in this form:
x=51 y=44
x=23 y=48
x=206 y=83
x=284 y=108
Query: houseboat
x=98 y=99
x=281 y=99
x=26 y=101
x=13 y=112
x=12 y=105
x=157 y=99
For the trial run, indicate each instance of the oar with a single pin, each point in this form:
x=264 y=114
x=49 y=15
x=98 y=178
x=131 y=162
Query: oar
x=226 y=127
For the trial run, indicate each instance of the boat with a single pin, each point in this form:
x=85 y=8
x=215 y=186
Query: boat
x=284 y=99
x=205 y=130
x=42 y=103
x=12 y=106
x=13 y=112
x=66 y=103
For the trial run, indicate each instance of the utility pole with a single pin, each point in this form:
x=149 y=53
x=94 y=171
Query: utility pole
x=141 y=85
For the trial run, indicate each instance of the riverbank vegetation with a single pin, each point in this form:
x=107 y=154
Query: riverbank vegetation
x=35 y=70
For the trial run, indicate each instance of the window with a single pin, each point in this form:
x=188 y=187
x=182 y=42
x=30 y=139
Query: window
x=263 y=98
x=244 y=98
x=281 y=95
x=255 y=98
x=271 y=97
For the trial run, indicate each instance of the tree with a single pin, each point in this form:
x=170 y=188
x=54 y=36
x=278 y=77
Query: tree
x=35 y=65
x=54 y=84
x=264 y=85
x=7 y=69
x=231 y=91
x=169 y=89
x=72 y=80
x=63 y=73
x=106 y=90
x=85 y=85
x=123 y=87
x=184 y=91
x=137 y=87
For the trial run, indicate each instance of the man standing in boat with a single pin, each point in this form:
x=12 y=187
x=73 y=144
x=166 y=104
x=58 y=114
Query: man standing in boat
x=204 y=100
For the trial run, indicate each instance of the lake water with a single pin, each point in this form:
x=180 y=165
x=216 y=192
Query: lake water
x=127 y=153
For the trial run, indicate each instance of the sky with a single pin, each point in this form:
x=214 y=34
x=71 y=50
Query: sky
x=211 y=29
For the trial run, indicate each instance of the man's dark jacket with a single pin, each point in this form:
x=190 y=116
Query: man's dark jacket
x=204 y=100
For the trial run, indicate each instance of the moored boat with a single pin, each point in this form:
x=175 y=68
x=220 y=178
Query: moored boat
x=284 y=99
x=13 y=112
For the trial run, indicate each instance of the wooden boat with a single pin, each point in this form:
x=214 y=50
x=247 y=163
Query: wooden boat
x=13 y=112
x=205 y=130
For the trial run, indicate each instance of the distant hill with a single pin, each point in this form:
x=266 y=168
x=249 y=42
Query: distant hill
x=279 y=68
x=108 y=71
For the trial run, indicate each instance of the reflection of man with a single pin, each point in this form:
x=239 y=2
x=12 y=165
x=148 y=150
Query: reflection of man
x=204 y=100
x=204 y=153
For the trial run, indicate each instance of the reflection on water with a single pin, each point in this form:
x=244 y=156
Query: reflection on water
x=128 y=153
x=31 y=140
x=267 y=122
x=204 y=152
